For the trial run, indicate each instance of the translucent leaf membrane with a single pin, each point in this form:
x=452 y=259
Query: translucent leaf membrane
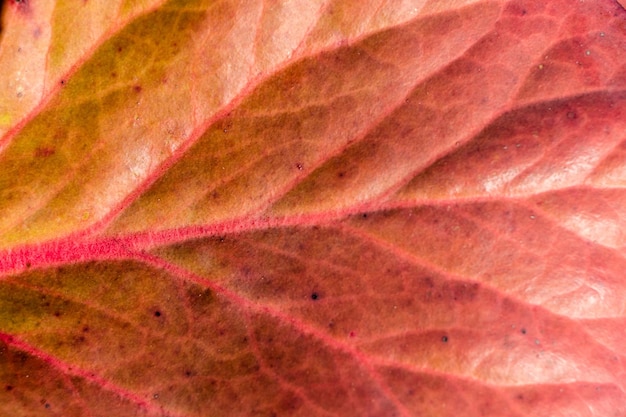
x=312 y=208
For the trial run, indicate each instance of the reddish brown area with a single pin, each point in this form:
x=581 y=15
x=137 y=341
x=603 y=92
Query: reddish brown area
x=44 y=152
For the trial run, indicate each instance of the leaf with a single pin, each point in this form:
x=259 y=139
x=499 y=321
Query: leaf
x=312 y=208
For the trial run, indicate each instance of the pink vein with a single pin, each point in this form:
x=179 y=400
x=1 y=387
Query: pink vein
x=81 y=248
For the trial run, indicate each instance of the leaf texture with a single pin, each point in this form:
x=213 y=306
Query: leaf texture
x=312 y=208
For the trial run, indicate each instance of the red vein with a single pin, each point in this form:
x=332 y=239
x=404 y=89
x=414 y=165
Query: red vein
x=76 y=248
x=281 y=317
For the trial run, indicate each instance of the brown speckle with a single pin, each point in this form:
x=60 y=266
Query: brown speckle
x=44 y=152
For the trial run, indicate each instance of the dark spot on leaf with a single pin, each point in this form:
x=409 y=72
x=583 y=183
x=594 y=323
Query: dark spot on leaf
x=21 y=5
x=314 y=296
x=137 y=89
x=28 y=264
x=57 y=314
x=516 y=10
x=120 y=49
x=523 y=331
x=44 y=152
x=9 y=388
x=341 y=174
x=157 y=313
x=62 y=82
x=364 y=215
x=352 y=334
x=114 y=75
x=187 y=374
x=463 y=292
x=428 y=282
x=299 y=166
x=21 y=357
x=444 y=339
x=85 y=329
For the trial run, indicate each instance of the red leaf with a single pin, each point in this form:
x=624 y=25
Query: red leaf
x=312 y=208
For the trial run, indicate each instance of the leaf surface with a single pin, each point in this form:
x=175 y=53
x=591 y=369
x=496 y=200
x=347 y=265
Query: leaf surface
x=306 y=208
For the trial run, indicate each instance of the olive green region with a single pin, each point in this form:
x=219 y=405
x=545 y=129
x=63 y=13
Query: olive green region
x=65 y=164
x=76 y=27
x=296 y=121
x=247 y=158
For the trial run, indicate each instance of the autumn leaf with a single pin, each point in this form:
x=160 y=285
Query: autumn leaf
x=312 y=208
